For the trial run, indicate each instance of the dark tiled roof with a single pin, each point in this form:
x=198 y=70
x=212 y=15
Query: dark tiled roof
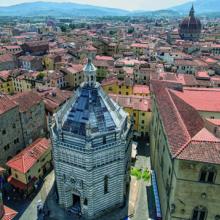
x=26 y=100
x=6 y=104
x=89 y=110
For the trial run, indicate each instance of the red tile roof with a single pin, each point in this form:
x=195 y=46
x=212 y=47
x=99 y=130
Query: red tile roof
x=26 y=100
x=184 y=127
x=108 y=58
x=141 y=89
x=29 y=156
x=5 y=74
x=6 y=58
x=202 y=99
x=9 y=213
x=135 y=102
x=214 y=121
x=6 y=104
x=74 y=68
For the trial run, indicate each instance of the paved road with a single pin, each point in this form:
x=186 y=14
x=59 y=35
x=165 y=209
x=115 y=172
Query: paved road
x=143 y=161
x=31 y=211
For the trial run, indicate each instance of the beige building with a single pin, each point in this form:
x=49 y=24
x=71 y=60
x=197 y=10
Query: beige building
x=73 y=75
x=185 y=145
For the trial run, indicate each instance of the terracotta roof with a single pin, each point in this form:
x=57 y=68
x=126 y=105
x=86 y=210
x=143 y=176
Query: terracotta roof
x=141 y=89
x=6 y=58
x=135 y=102
x=201 y=151
x=9 y=213
x=6 y=104
x=138 y=45
x=29 y=156
x=187 y=136
x=5 y=74
x=214 y=121
x=75 y=68
x=26 y=100
x=201 y=98
x=109 y=81
x=108 y=58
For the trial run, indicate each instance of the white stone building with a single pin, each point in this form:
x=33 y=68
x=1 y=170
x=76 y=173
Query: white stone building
x=91 y=138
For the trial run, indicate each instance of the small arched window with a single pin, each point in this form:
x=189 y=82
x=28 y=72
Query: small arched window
x=207 y=175
x=106 y=184
x=199 y=213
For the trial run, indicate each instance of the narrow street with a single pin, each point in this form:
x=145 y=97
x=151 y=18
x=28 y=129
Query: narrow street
x=143 y=161
x=31 y=210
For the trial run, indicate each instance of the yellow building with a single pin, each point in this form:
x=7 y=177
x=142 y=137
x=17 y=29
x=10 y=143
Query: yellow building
x=30 y=165
x=73 y=75
x=22 y=84
x=140 y=108
x=6 y=84
x=50 y=61
x=115 y=86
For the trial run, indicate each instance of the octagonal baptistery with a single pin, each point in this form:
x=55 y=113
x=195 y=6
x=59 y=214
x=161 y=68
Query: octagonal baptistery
x=91 y=137
x=190 y=28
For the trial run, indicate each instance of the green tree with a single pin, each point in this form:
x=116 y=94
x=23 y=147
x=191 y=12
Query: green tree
x=40 y=76
x=63 y=28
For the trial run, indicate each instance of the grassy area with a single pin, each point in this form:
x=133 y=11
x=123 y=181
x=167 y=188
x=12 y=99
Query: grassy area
x=138 y=174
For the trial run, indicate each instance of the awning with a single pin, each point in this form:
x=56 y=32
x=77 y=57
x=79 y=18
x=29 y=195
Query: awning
x=19 y=184
x=9 y=214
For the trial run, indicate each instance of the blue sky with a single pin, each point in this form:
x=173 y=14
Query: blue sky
x=124 y=4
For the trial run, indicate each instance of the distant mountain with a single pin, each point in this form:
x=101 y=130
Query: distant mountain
x=158 y=13
x=201 y=6
x=59 y=9
x=66 y=9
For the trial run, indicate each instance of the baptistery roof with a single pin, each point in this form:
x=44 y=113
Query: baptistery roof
x=91 y=110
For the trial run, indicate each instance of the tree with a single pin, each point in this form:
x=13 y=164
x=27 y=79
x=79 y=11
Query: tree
x=130 y=30
x=40 y=76
x=72 y=26
x=63 y=28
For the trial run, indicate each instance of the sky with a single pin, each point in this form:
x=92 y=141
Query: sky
x=124 y=4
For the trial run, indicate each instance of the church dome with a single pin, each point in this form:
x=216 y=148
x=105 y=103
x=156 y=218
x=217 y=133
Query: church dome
x=190 y=27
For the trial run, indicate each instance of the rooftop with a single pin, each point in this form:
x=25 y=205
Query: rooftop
x=23 y=161
x=6 y=104
x=26 y=100
x=90 y=110
x=202 y=99
x=185 y=129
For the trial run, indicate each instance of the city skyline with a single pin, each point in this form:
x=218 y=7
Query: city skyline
x=128 y=5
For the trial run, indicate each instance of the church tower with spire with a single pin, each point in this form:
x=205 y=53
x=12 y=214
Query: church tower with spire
x=91 y=138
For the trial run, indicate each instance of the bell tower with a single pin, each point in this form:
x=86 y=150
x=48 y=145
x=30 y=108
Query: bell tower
x=90 y=73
